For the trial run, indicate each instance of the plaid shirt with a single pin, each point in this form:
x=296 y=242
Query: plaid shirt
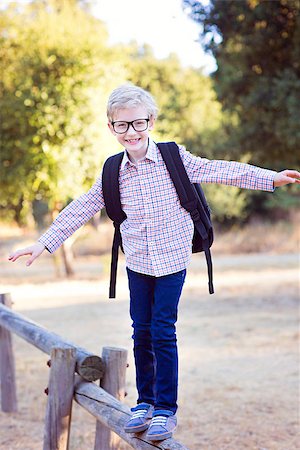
x=157 y=234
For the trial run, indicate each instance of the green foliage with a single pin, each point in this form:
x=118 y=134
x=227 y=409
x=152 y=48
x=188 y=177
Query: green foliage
x=189 y=111
x=227 y=203
x=284 y=199
x=51 y=99
x=189 y=114
x=256 y=44
x=257 y=47
x=57 y=74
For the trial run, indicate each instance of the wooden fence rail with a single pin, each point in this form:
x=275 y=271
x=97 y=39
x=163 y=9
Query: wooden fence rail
x=111 y=413
x=89 y=366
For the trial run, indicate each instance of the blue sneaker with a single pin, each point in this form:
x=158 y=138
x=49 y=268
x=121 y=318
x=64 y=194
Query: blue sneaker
x=162 y=425
x=140 y=419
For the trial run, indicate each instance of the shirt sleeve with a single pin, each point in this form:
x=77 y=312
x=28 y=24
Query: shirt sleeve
x=73 y=216
x=232 y=173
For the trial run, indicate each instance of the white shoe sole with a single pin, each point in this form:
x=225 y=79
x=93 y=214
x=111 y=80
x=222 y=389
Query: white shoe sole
x=159 y=437
x=137 y=429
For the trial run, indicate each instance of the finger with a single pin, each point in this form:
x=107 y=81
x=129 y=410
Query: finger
x=293 y=173
x=33 y=257
x=295 y=179
x=14 y=256
x=289 y=180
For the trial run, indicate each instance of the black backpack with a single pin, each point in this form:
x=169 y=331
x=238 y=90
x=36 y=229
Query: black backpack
x=191 y=197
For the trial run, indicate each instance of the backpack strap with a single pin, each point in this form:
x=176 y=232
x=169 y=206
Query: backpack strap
x=186 y=191
x=187 y=194
x=110 y=186
x=111 y=194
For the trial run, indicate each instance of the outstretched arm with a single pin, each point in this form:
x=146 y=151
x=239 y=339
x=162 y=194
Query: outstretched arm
x=232 y=173
x=67 y=222
x=286 y=177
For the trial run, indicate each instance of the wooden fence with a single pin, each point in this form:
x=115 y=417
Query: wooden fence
x=104 y=402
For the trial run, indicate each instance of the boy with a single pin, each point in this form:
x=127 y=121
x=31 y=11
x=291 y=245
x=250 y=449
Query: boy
x=157 y=240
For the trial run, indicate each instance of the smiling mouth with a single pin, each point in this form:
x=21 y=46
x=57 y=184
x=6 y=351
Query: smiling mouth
x=132 y=141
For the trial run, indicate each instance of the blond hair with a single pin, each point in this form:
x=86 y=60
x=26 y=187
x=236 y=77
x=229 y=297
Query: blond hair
x=130 y=96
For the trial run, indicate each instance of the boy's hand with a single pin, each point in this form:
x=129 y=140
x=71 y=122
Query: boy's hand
x=286 y=177
x=34 y=250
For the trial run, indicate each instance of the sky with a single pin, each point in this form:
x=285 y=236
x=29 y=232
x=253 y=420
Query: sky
x=161 y=23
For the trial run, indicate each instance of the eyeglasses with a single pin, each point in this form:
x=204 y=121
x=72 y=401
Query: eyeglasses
x=121 y=126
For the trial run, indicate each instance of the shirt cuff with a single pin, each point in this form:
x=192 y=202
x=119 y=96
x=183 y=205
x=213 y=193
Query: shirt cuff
x=51 y=244
x=265 y=180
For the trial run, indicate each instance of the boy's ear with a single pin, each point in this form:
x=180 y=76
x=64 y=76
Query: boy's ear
x=110 y=127
x=151 y=123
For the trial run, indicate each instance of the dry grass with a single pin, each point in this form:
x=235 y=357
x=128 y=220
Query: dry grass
x=256 y=237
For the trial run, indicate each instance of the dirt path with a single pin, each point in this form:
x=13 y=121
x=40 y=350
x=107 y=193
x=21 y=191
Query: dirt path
x=239 y=356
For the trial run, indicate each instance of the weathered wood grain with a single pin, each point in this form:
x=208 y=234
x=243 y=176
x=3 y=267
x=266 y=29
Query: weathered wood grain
x=114 y=414
x=60 y=396
x=106 y=408
x=113 y=382
x=88 y=366
x=7 y=365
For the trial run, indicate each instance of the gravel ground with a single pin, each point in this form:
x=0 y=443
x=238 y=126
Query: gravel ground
x=239 y=349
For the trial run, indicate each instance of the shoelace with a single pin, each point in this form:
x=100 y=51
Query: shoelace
x=159 y=420
x=139 y=413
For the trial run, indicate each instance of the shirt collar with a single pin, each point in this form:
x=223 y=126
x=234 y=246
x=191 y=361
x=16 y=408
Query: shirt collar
x=151 y=154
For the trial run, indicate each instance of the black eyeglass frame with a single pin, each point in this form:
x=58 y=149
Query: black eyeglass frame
x=128 y=125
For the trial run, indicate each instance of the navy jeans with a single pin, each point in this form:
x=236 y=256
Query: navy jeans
x=153 y=310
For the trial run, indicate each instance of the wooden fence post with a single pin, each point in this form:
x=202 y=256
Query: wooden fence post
x=60 y=396
x=7 y=365
x=113 y=382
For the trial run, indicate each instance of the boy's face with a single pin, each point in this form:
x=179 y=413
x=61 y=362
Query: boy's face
x=135 y=142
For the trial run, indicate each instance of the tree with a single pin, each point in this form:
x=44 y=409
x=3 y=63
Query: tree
x=53 y=122
x=256 y=44
x=257 y=47
x=188 y=110
x=190 y=115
